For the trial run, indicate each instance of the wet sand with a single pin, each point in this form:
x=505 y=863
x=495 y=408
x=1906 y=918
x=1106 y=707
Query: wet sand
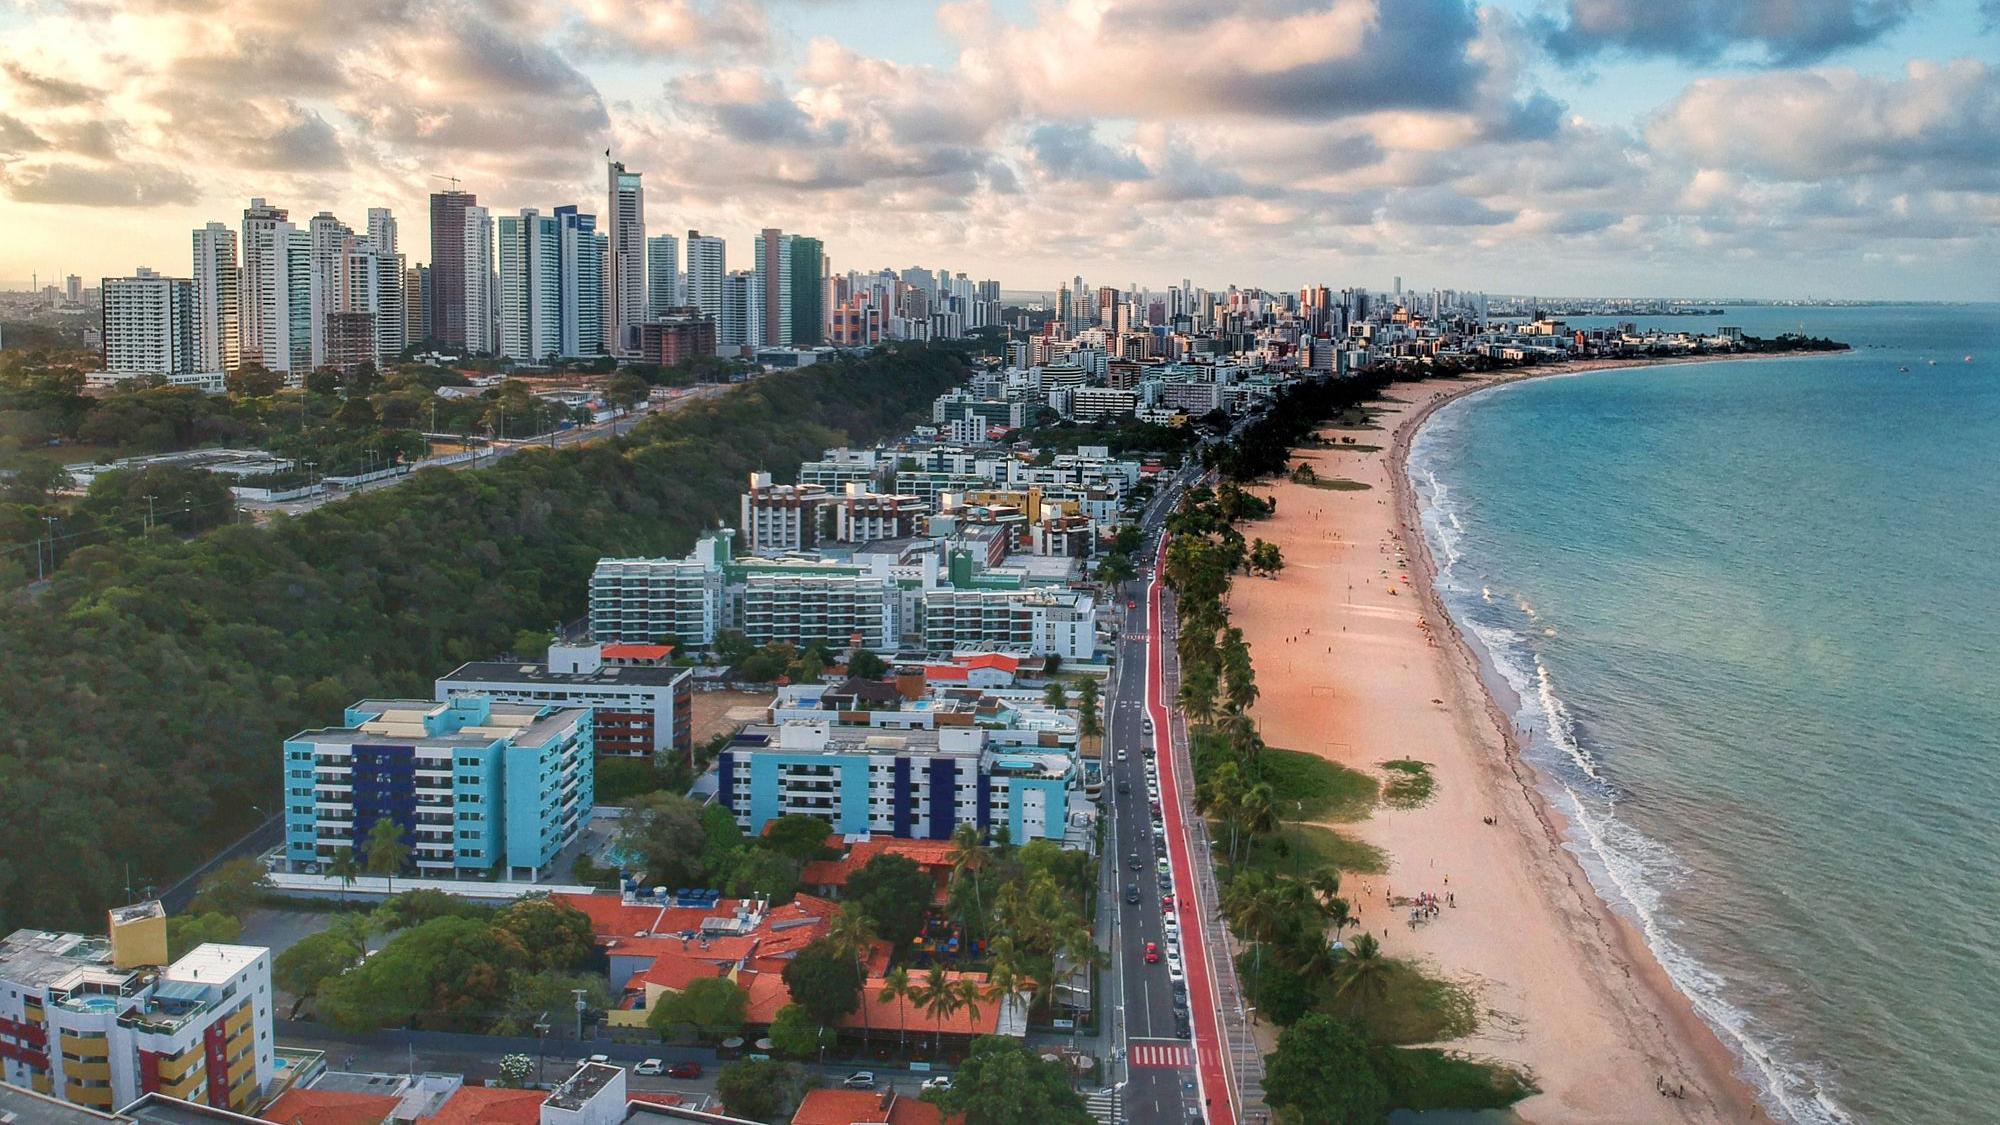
x=1357 y=661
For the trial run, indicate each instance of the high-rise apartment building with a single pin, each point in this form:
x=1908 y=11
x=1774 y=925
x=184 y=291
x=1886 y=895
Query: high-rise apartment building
x=740 y=324
x=332 y=242
x=808 y=290
x=382 y=230
x=774 y=285
x=416 y=304
x=376 y=289
x=663 y=275
x=707 y=262
x=625 y=272
x=448 y=271
x=254 y=298
x=476 y=280
x=530 y=295
x=149 y=324
x=218 y=325
x=580 y=264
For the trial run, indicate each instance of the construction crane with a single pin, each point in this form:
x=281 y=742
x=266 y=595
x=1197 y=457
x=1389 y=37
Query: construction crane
x=452 y=180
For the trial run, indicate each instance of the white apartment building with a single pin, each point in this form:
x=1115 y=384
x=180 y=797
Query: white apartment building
x=668 y=601
x=382 y=230
x=530 y=286
x=839 y=467
x=663 y=275
x=804 y=603
x=1045 y=622
x=742 y=313
x=625 y=273
x=864 y=515
x=779 y=518
x=100 y=1021
x=707 y=264
x=479 y=283
x=149 y=325
x=259 y=245
x=218 y=322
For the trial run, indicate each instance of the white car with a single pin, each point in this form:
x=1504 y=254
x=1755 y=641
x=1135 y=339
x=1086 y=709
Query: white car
x=651 y=1066
x=1162 y=865
x=1174 y=972
x=941 y=1082
x=1173 y=926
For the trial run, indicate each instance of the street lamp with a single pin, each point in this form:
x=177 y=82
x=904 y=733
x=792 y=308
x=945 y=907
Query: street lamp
x=580 y=1006
x=541 y=1047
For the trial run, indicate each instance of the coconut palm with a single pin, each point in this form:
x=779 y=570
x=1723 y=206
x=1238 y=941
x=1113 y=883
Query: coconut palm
x=939 y=997
x=344 y=868
x=898 y=989
x=1362 y=977
x=852 y=933
x=968 y=859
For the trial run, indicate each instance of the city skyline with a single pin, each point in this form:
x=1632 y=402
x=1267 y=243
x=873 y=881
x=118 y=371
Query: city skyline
x=1518 y=146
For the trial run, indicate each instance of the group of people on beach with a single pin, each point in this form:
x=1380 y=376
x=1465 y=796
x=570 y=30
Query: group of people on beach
x=1428 y=905
x=1677 y=1090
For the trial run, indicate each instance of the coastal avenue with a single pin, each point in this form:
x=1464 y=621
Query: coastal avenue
x=1166 y=1077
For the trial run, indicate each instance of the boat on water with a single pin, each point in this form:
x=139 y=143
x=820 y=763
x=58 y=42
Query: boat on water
x=1968 y=359
x=1905 y=369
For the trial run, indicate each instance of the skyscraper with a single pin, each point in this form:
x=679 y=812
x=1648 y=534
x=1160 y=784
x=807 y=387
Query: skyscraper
x=707 y=263
x=218 y=325
x=663 y=275
x=774 y=282
x=740 y=322
x=416 y=304
x=580 y=254
x=475 y=279
x=332 y=242
x=448 y=272
x=149 y=324
x=625 y=272
x=382 y=230
x=375 y=290
x=808 y=290
x=260 y=223
x=530 y=295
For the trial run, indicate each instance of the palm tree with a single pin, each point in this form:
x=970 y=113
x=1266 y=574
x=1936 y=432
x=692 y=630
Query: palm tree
x=1363 y=974
x=968 y=859
x=897 y=989
x=343 y=867
x=966 y=995
x=1325 y=883
x=939 y=998
x=386 y=850
x=853 y=934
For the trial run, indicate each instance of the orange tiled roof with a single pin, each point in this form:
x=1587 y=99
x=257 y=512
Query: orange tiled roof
x=912 y=1016
x=478 y=1105
x=853 y=1107
x=637 y=652
x=835 y=872
x=998 y=660
x=947 y=672
x=329 y=1107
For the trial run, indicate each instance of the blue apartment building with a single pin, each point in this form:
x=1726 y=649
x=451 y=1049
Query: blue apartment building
x=477 y=785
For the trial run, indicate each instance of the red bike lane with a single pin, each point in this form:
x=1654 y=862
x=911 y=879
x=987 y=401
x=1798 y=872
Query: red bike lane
x=1212 y=1070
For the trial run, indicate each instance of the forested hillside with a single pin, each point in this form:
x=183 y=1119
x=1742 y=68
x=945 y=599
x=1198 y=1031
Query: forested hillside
x=144 y=695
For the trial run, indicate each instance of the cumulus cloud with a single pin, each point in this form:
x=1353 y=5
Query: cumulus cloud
x=1786 y=31
x=1070 y=151
x=1807 y=125
x=128 y=185
x=32 y=88
x=1442 y=207
x=654 y=28
x=17 y=136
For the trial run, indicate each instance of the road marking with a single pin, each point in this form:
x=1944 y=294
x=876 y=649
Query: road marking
x=1174 y=1056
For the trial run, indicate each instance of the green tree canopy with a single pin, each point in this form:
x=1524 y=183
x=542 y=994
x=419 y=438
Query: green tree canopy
x=663 y=833
x=1003 y=1082
x=312 y=961
x=764 y=872
x=825 y=981
x=556 y=935
x=894 y=893
x=800 y=836
x=1321 y=1073
x=232 y=889
x=760 y=1091
x=712 y=1007
x=796 y=1034
x=190 y=930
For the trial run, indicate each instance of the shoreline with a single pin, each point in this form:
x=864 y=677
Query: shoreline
x=1567 y=986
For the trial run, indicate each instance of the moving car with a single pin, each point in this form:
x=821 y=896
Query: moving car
x=859 y=1080
x=1124 y=786
x=941 y=1082
x=650 y=1066
x=1132 y=861
x=1132 y=896
x=1152 y=954
x=684 y=1070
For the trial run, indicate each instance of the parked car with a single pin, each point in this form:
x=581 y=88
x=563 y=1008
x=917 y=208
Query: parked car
x=1161 y=865
x=651 y=1066
x=684 y=1070
x=859 y=1080
x=1174 y=972
x=941 y=1082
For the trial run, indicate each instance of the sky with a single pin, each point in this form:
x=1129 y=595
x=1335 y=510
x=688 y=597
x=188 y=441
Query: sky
x=1757 y=148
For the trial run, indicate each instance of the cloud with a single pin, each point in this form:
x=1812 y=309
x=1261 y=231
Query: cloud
x=17 y=137
x=1787 y=32
x=1073 y=152
x=1808 y=125
x=127 y=185
x=40 y=89
x=655 y=28
x=1442 y=207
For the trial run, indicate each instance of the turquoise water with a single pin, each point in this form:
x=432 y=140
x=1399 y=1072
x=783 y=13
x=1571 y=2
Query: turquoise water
x=1751 y=613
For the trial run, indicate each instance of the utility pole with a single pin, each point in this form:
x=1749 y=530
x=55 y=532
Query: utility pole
x=52 y=521
x=150 y=497
x=580 y=1006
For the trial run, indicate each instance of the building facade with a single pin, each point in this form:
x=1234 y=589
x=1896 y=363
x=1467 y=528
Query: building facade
x=625 y=260
x=149 y=324
x=218 y=323
x=640 y=708
x=448 y=267
x=476 y=785
x=676 y=337
x=778 y=518
x=663 y=275
x=1047 y=622
x=98 y=1022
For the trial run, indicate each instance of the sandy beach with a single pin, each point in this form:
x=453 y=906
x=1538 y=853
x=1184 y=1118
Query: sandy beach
x=1358 y=662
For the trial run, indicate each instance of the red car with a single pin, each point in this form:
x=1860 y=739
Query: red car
x=1131 y=605
x=684 y=1070
x=1167 y=903
x=1152 y=954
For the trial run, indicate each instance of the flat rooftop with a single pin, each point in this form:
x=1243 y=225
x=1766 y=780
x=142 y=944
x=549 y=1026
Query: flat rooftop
x=212 y=962
x=19 y=1106
x=579 y=1088
x=40 y=958
x=609 y=676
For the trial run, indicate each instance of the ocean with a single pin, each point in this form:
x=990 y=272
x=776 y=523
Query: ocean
x=1750 y=613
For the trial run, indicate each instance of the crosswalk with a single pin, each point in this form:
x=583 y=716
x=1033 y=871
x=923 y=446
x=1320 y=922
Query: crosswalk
x=1175 y=1055
x=1102 y=1105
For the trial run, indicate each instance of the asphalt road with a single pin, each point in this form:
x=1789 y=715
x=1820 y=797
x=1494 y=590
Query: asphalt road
x=1157 y=1068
